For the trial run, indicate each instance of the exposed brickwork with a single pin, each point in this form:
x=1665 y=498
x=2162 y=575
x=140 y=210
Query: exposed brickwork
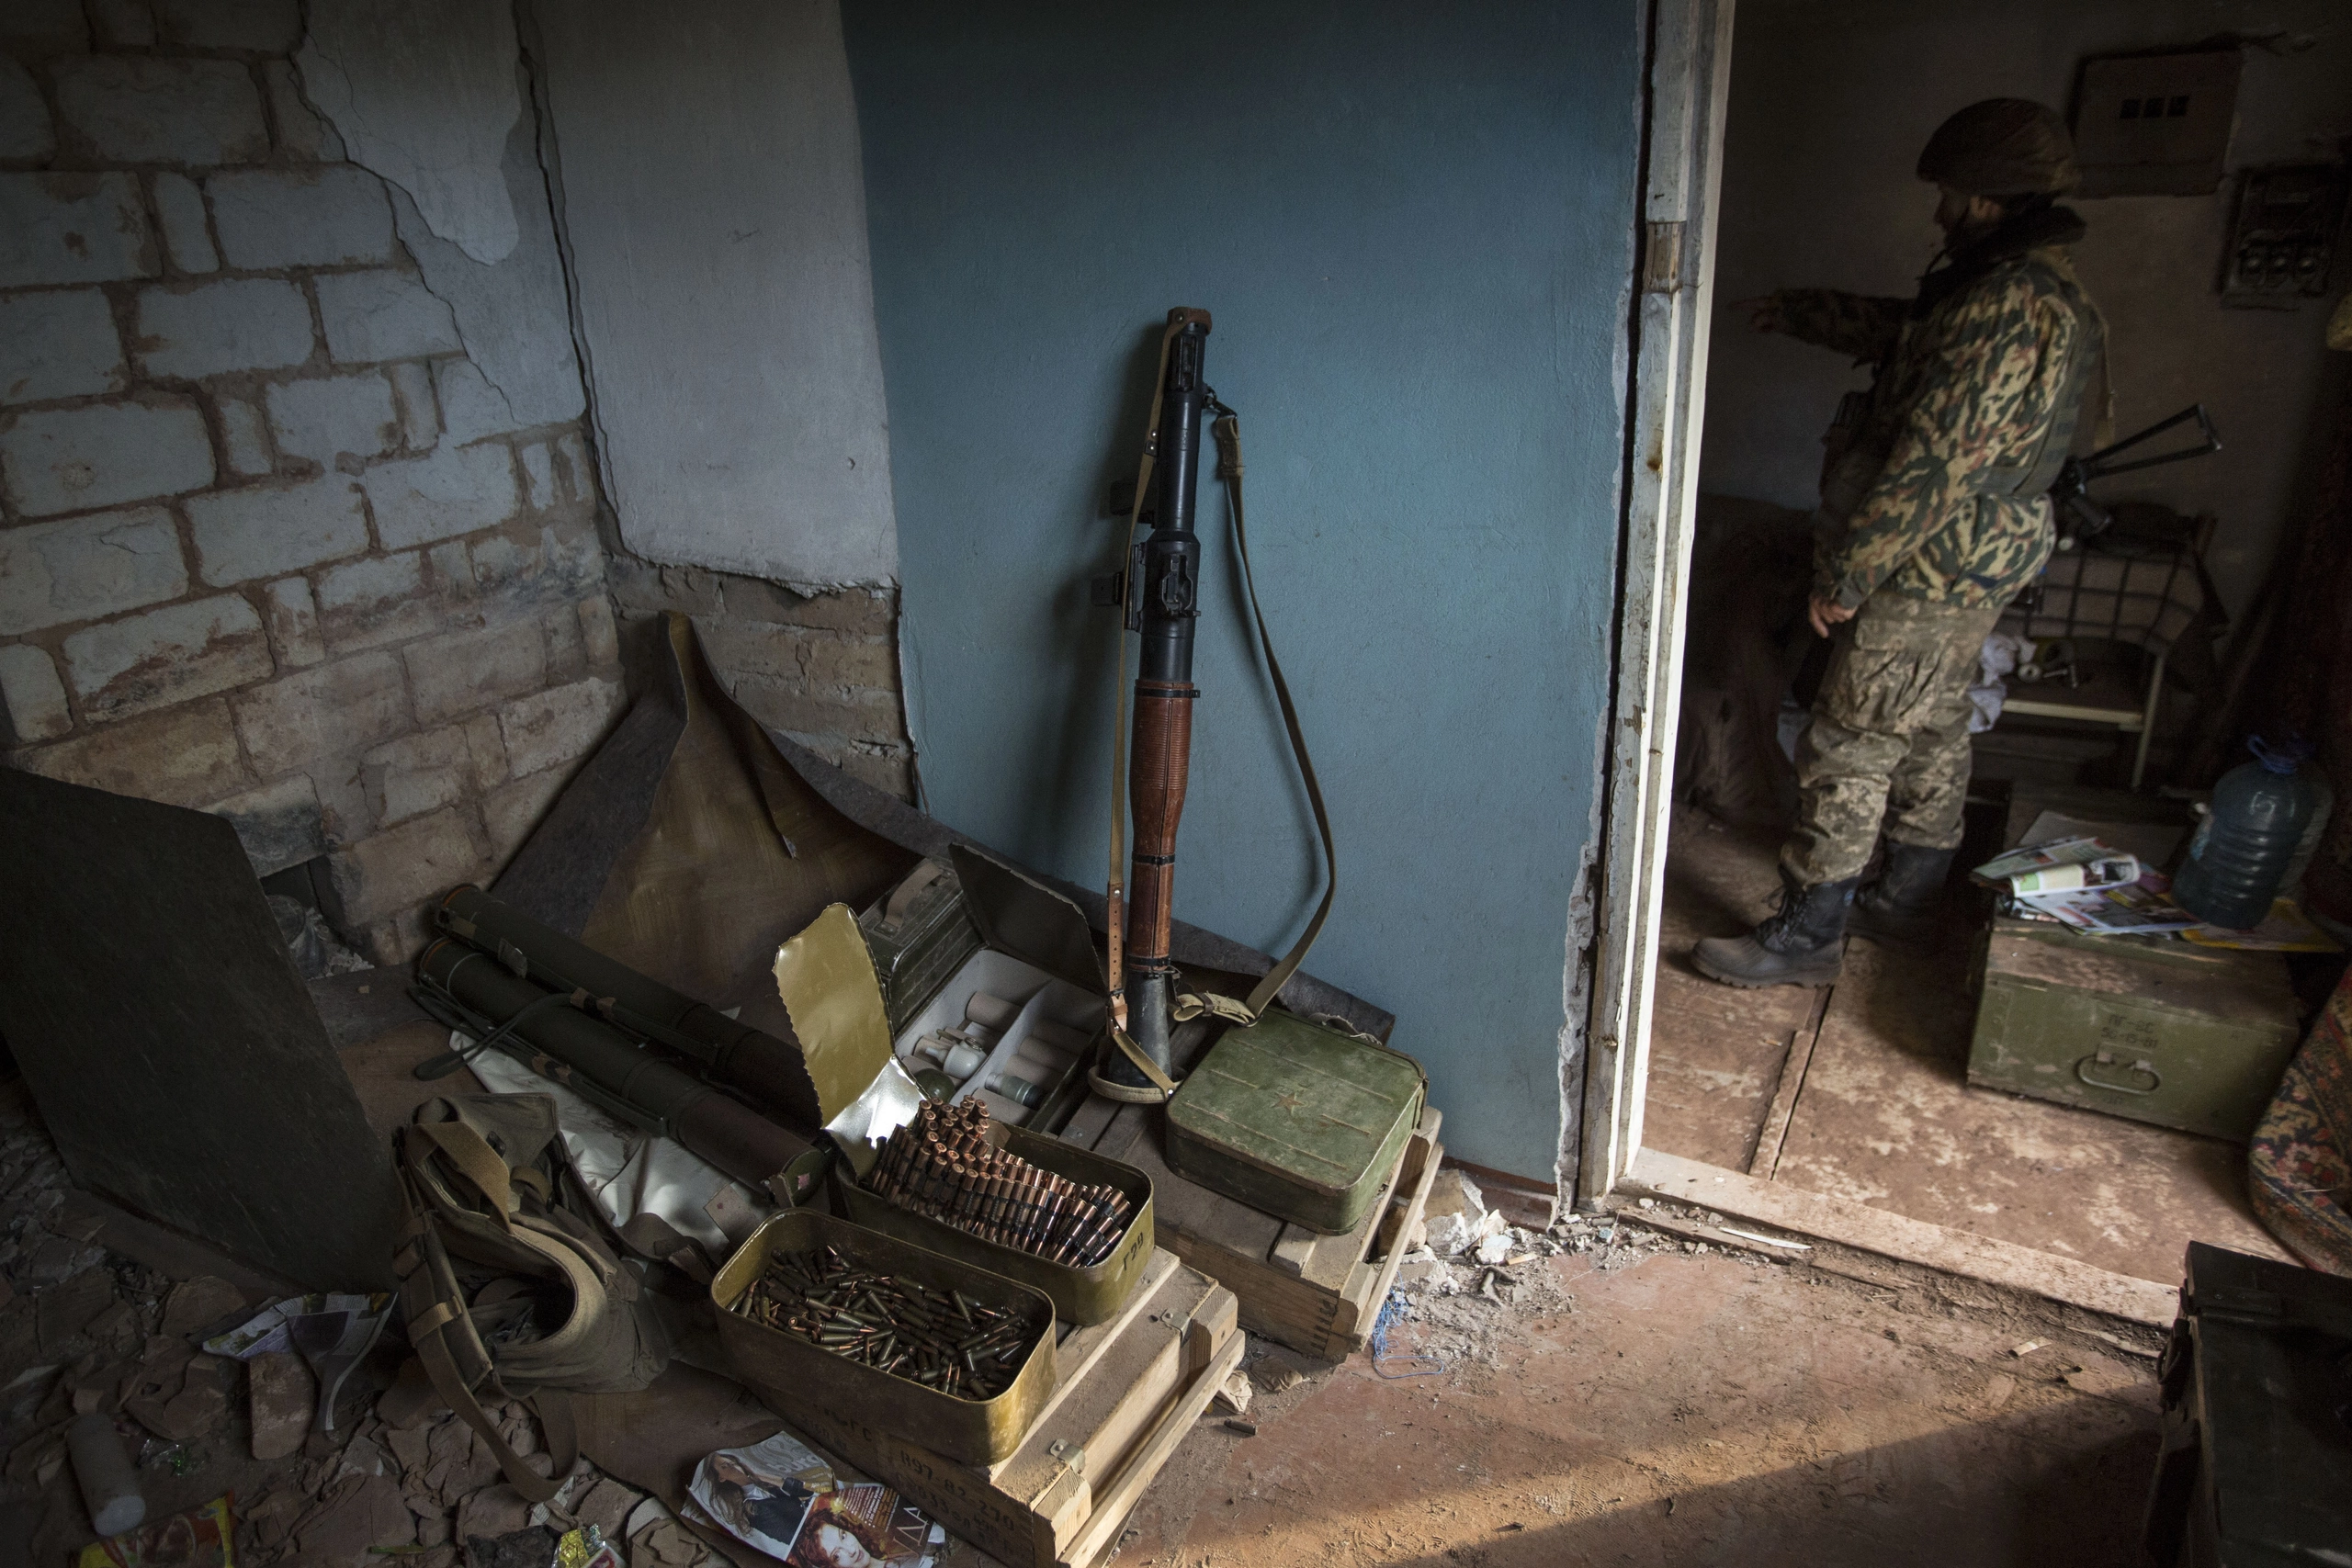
x=251 y=560
x=822 y=668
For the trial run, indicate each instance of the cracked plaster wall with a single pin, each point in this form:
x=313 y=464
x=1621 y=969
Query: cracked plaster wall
x=713 y=209
x=298 y=522
x=424 y=93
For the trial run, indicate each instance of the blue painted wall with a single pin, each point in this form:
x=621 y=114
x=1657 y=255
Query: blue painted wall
x=1413 y=224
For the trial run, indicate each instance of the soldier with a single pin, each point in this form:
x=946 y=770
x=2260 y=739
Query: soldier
x=1932 y=518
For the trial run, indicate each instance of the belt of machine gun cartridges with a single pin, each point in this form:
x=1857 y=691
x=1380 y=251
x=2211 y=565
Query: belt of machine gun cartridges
x=943 y=1166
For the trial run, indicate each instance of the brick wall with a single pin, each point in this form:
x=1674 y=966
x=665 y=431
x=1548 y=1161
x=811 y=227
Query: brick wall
x=822 y=668
x=259 y=551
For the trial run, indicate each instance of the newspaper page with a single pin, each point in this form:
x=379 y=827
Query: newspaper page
x=785 y=1499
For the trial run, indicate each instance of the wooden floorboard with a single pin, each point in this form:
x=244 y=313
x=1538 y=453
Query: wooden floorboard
x=1887 y=1118
x=1878 y=1112
x=1773 y=1136
x=1912 y=1241
x=1715 y=1059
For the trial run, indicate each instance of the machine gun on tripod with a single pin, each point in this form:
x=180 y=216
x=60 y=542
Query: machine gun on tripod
x=2077 y=516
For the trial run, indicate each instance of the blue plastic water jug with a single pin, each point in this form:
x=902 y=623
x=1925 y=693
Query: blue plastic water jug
x=2240 y=853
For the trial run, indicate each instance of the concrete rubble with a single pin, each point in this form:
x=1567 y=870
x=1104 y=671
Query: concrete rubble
x=1470 y=1262
x=84 y=1330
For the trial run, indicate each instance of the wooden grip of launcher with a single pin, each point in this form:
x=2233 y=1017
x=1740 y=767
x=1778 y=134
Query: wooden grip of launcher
x=1163 y=751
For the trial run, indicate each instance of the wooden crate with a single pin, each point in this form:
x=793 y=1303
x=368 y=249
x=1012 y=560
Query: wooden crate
x=1130 y=1390
x=1319 y=1294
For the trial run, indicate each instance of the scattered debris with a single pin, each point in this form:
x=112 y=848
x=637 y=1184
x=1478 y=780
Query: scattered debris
x=1246 y=1429
x=1277 y=1373
x=2126 y=1346
x=1233 y=1398
x=660 y=1540
x=198 y=1539
x=493 y=1512
x=1752 y=1236
x=196 y=1305
x=2027 y=1348
x=279 y=1394
x=532 y=1546
x=1455 y=1216
x=605 y=1506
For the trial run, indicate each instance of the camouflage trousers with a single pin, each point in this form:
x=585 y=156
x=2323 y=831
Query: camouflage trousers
x=1889 y=739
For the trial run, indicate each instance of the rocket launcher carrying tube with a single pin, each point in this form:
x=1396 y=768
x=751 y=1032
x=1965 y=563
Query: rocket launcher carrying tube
x=769 y=1071
x=605 y=1066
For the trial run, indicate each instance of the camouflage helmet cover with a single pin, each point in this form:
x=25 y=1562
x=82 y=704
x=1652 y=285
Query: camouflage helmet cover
x=2001 y=147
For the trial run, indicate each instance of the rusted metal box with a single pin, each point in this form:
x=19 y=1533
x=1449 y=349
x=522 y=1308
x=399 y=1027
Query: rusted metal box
x=2180 y=1036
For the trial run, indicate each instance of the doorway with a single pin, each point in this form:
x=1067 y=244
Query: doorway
x=1849 y=1105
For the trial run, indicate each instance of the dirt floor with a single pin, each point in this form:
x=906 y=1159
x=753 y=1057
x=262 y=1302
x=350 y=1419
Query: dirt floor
x=1882 y=1112
x=1625 y=1396
x=1628 y=1400
x=1673 y=1406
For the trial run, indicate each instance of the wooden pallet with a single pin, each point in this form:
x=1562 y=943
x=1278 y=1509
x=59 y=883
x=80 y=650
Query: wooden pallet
x=1319 y=1294
x=1129 y=1391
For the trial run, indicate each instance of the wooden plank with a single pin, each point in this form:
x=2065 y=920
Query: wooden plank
x=1715 y=1052
x=1119 y=1500
x=1280 y=1306
x=1422 y=1157
x=1076 y=1354
x=1325 y=1313
x=1326 y=1260
x=1137 y=1381
x=1090 y=1121
x=1689 y=84
x=1912 y=1241
x=1099 y=1446
x=1361 y=1302
x=1886 y=1114
x=1775 y=1134
x=1105 y=1408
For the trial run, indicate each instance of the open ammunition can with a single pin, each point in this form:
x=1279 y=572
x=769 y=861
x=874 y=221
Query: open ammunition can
x=785 y=1370
x=1082 y=1296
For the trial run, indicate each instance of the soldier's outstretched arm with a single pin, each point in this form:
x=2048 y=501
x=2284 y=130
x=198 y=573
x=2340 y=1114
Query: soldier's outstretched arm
x=1863 y=325
x=1972 y=408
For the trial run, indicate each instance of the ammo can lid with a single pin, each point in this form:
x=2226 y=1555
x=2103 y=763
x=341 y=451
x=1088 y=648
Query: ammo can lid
x=1020 y=915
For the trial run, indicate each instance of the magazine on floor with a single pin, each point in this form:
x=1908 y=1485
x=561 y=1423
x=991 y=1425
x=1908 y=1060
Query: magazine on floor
x=783 y=1498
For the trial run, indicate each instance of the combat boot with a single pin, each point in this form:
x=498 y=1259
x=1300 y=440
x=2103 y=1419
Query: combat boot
x=1899 y=903
x=1802 y=944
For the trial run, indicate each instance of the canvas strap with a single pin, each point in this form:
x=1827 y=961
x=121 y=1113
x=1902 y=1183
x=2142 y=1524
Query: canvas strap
x=433 y=1311
x=1114 y=891
x=1191 y=1004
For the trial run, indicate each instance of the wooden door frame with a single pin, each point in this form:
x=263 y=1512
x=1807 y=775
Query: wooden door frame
x=1688 y=79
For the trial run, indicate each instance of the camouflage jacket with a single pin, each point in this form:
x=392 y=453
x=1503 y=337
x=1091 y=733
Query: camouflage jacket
x=1919 y=497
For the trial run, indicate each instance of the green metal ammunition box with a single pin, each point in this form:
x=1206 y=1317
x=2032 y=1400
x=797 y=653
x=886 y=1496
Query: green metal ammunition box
x=2182 y=1036
x=970 y=1431
x=1299 y=1120
x=1081 y=1295
x=920 y=935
